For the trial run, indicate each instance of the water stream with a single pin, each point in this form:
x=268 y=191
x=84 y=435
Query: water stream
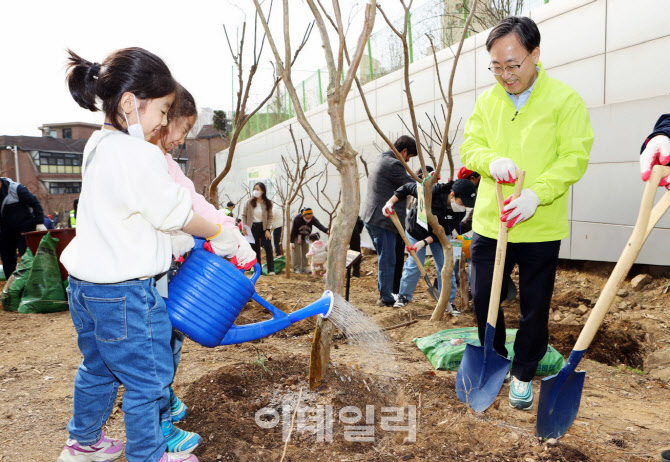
x=373 y=348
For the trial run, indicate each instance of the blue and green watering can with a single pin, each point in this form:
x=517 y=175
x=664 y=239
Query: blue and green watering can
x=208 y=293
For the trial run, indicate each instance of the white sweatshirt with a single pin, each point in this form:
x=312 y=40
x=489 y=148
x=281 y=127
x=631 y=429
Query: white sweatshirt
x=127 y=206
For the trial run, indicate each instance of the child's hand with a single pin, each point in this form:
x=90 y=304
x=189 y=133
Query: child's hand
x=181 y=243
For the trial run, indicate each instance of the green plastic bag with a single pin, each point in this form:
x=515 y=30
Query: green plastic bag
x=280 y=264
x=11 y=293
x=445 y=349
x=44 y=291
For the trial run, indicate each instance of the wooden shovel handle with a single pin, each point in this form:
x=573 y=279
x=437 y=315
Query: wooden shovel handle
x=501 y=250
x=396 y=221
x=646 y=220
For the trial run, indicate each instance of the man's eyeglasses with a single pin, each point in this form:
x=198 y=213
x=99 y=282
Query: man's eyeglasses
x=512 y=69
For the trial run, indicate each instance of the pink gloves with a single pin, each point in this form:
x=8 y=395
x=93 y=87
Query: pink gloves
x=519 y=209
x=657 y=152
x=503 y=170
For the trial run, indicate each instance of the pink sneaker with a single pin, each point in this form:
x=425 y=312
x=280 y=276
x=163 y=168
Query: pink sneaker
x=177 y=457
x=105 y=450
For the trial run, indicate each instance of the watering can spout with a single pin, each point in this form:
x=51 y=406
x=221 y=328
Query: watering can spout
x=279 y=321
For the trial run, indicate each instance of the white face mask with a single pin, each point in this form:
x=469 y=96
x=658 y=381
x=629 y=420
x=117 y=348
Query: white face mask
x=135 y=129
x=256 y=193
x=457 y=208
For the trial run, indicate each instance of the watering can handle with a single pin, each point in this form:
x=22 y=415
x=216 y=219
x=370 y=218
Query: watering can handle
x=200 y=244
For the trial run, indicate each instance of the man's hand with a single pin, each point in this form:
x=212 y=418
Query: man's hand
x=40 y=228
x=503 y=170
x=181 y=243
x=657 y=152
x=417 y=246
x=268 y=235
x=519 y=209
x=387 y=211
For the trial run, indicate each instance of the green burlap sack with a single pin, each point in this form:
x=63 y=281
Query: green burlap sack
x=13 y=290
x=445 y=349
x=44 y=292
x=280 y=264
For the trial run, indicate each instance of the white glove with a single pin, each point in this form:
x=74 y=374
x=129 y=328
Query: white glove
x=657 y=152
x=417 y=246
x=181 y=243
x=244 y=256
x=519 y=209
x=387 y=211
x=503 y=170
x=225 y=242
x=454 y=233
x=40 y=228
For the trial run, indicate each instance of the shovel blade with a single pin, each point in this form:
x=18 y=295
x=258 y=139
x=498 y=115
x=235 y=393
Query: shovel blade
x=480 y=376
x=560 y=396
x=432 y=290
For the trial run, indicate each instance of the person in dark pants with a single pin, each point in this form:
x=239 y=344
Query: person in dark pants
x=257 y=215
x=532 y=122
x=277 y=228
x=355 y=244
x=386 y=175
x=20 y=212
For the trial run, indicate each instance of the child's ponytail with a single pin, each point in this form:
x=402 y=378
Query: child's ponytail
x=82 y=80
x=133 y=70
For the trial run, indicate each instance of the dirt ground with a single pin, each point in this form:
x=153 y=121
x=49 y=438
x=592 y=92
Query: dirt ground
x=241 y=398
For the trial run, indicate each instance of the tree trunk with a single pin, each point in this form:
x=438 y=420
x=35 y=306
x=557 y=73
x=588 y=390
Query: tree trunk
x=338 y=242
x=287 y=230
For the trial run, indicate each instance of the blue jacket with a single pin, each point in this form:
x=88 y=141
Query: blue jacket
x=662 y=127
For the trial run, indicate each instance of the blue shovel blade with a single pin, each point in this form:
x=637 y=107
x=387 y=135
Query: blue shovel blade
x=560 y=396
x=480 y=376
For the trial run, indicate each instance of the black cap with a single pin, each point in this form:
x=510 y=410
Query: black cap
x=466 y=191
x=230 y=204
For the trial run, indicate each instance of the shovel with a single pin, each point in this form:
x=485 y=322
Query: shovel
x=561 y=394
x=482 y=370
x=431 y=289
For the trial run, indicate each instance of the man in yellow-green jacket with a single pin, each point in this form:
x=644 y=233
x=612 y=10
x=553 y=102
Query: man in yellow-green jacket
x=534 y=123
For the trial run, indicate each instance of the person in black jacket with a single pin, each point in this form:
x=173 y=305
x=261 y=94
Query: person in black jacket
x=449 y=204
x=355 y=244
x=386 y=175
x=301 y=228
x=20 y=212
x=656 y=149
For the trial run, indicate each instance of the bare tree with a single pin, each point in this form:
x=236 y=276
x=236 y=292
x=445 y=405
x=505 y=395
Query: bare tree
x=445 y=147
x=294 y=176
x=341 y=154
x=241 y=115
x=322 y=198
x=491 y=12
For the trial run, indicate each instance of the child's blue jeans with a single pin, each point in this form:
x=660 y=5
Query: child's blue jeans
x=411 y=273
x=123 y=332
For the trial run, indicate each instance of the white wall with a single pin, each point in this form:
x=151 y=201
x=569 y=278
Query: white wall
x=613 y=52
